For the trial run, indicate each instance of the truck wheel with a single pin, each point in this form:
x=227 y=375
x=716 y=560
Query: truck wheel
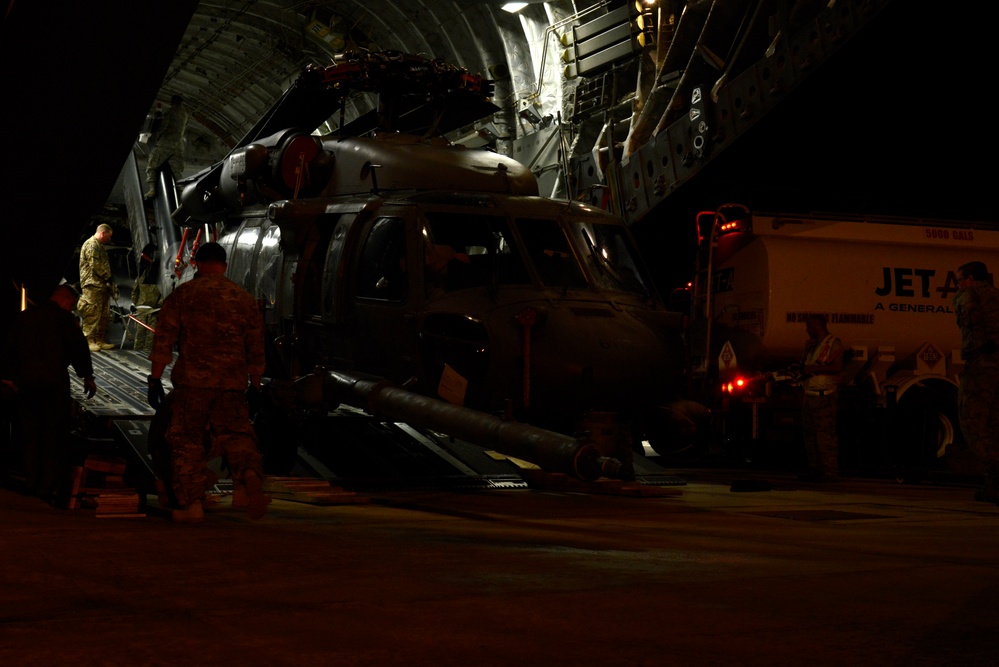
x=925 y=429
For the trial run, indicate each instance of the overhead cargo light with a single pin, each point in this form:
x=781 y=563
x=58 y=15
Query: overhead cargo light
x=513 y=7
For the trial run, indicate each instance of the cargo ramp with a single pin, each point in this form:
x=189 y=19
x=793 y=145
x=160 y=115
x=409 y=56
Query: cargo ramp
x=346 y=447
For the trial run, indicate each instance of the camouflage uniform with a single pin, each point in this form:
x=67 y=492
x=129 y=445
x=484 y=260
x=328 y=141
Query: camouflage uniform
x=219 y=333
x=819 y=409
x=169 y=146
x=977 y=309
x=145 y=292
x=95 y=282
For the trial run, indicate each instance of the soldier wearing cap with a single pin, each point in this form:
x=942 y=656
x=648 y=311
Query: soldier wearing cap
x=42 y=342
x=146 y=298
x=97 y=286
x=218 y=330
x=977 y=307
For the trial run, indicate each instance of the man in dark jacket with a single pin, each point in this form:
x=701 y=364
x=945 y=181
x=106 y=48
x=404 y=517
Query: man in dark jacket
x=42 y=342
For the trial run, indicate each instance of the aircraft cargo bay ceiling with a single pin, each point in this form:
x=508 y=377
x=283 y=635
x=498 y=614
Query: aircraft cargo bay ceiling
x=871 y=106
x=572 y=78
x=578 y=62
x=237 y=58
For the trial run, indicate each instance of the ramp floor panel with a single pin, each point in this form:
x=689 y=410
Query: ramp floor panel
x=121 y=385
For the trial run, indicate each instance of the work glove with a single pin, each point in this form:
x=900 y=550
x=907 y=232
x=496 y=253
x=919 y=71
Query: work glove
x=89 y=387
x=156 y=395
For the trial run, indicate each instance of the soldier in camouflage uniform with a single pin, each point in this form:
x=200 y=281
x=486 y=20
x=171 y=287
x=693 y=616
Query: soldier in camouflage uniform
x=977 y=307
x=218 y=329
x=169 y=148
x=146 y=299
x=97 y=286
x=822 y=363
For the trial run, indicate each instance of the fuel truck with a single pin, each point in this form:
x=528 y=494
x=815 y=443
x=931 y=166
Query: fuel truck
x=885 y=286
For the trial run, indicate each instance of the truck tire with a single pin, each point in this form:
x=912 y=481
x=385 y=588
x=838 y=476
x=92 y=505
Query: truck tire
x=924 y=430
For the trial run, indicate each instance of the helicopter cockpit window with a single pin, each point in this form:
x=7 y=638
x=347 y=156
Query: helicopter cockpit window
x=381 y=272
x=610 y=257
x=550 y=253
x=464 y=250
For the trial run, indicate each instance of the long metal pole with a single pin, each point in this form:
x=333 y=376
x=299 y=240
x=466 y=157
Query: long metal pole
x=553 y=452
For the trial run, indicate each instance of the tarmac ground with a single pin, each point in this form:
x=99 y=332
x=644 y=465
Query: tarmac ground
x=859 y=572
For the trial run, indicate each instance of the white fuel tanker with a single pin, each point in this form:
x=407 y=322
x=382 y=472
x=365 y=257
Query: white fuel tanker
x=885 y=286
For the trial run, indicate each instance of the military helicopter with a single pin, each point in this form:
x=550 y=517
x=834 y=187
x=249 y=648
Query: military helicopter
x=439 y=267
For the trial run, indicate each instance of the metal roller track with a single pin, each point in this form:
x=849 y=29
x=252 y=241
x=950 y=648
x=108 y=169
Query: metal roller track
x=121 y=385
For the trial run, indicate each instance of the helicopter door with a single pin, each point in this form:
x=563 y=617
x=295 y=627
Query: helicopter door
x=335 y=272
x=315 y=341
x=383 y=331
